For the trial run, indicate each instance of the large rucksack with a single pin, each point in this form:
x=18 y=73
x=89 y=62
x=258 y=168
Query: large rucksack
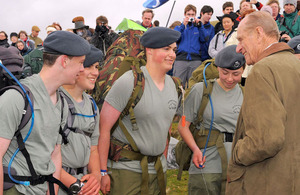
x=126 y=53
x=33 y=62
x=127 y=45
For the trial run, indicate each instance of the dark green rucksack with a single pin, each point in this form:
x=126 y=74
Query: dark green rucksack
x=33 y=62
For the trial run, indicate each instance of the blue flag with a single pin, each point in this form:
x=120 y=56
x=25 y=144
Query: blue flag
x=152 y=4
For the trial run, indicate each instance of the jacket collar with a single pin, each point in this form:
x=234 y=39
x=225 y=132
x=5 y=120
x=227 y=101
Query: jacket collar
x=275 y=48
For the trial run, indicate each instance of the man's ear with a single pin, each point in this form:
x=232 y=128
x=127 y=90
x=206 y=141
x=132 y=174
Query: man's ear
x=148 y=51
x=64 y=60
x=259 y=31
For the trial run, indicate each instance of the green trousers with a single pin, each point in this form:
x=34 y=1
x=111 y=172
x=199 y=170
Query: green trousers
x=129 y=183
x=12 y=191
x=212 y=184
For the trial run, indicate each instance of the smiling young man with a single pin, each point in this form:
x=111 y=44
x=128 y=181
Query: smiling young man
x=265 y=147
x=154 y=114
x=227 y=98
x=64 y=54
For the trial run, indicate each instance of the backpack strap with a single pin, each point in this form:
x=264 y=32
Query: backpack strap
x=282 y=22
x=136 y=95
x=178 y=83
x=205 y=99
x=71 y=117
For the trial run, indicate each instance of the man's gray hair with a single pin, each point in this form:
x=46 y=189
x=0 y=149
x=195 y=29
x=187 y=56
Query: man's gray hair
x=264 y=20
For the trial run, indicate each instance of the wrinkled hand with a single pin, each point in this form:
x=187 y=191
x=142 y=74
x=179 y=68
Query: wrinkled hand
x=198 y=159
x=105 y=184
x=91 y=186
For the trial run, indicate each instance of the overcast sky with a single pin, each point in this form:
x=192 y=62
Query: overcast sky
x=19 y=15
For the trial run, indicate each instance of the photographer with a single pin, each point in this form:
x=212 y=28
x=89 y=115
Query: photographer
x=188 y=56
x=289 y=25
x=103 y=36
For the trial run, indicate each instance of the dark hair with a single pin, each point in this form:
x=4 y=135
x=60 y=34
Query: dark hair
x=49 y=59
x=156 y=23
x=227 y=4
x=206 y=9
x=101 y=19
x=190 y=7
x=148 y=11
x=4 y=34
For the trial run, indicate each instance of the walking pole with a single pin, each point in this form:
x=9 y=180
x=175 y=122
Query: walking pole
x=170 y=13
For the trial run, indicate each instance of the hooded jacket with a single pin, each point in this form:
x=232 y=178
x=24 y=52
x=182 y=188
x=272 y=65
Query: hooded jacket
x=188 y=43
x=207 y=32
x=265 y=149
x=288 y=20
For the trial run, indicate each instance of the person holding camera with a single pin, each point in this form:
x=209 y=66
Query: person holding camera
x=103 y=36
x=188 y=56
x=289 y=25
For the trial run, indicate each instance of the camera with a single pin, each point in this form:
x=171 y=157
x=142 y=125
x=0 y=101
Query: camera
x=282 y=33
x=191 y=19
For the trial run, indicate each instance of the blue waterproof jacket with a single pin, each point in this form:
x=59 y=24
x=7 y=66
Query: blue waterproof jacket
x=207 y=32
x=189 y=42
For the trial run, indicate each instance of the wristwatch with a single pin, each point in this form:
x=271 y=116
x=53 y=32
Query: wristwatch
x=76 y=187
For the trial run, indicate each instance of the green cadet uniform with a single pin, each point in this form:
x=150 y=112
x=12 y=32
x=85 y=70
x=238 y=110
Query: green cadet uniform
x=226 y=107
x=154 y=114
x=76 y=153
x=47 y=121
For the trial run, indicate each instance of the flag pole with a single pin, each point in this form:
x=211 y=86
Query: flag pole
x=170 y=13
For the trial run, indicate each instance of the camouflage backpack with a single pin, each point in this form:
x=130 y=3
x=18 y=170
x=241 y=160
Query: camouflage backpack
x=126 y=46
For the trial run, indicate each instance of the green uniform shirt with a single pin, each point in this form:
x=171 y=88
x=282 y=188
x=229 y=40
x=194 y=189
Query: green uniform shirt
x=226 y=111
x=44 y=135
x=154 y=114
x=76 y=153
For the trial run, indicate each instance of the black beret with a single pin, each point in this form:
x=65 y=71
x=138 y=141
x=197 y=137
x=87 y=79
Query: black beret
x=11 y=58
x=95 y=55
x=231 y=16
x=294 y=43
x=158 y=37
x=228 y=58
x=66 y=43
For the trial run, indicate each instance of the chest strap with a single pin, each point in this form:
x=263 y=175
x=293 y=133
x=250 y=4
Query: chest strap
x=39 y=180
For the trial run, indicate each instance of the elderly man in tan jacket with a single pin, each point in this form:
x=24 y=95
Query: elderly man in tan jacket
x=266 y=147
